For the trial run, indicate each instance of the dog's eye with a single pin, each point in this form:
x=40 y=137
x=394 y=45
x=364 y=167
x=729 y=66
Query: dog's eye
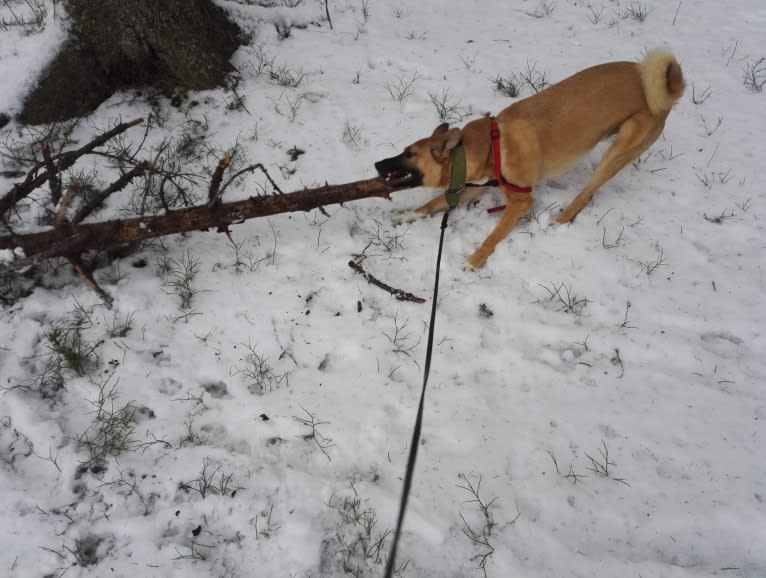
x=408 y=154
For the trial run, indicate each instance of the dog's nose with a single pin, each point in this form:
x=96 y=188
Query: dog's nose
x=380 y=166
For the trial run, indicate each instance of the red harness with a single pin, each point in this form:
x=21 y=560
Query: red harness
x=508 y=187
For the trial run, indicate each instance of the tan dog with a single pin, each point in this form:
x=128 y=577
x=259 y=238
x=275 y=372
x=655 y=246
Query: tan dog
x=545 y=135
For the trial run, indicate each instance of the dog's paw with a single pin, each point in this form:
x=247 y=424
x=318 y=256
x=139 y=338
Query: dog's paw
x=407 y=217
x=564 y=218
x=474 y=263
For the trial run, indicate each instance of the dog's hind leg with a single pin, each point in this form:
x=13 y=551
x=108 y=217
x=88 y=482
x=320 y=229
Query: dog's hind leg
x=437 y=204
x=517 y=205
x=635 y=136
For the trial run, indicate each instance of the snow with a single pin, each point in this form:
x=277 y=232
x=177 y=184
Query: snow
x=8 y=256
x=660 y=368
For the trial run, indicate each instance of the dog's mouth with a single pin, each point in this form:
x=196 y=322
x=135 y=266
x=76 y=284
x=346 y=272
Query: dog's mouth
x=396 y=172
x=401 y=178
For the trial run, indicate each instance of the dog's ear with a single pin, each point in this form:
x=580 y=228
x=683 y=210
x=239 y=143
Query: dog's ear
x=445 y=142
x=441 y=129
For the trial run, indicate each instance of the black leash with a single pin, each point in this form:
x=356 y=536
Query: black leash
x=452 y=196
x=419 y=419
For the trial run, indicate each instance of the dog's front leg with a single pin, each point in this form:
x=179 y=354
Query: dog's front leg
x=436 y=205
x=517 y=205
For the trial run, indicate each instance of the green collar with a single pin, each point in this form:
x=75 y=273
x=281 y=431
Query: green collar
x=457 y=176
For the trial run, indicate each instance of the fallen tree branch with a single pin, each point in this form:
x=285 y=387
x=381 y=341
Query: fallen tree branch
x=397 y=293
x=78 y=238
x=70 y=238
x=65 y=160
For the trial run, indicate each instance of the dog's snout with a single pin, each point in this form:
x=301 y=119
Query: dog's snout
x=388 y=165
x=397 y=171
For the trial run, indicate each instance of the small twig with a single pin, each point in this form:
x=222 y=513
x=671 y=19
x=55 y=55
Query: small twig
x=53 y=178
x=715 y=152
x=604 y=215
x=116 y=186
x=708 y=130
x=625 y=323
x=702 y=97
x=555 y=461
x=322 y=441
x=83 y=272
x=573 y=476
x=616 y=243
x=215 y=192
x=733 y=52
x=397 y=293
x=724 y=216
x=616 y=360
x=602 y=467
x=274 y=233
x=327 y=11
x=249 y=169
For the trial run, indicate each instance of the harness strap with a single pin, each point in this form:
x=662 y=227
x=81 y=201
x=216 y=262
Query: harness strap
x=458 y=173
x=502 y=183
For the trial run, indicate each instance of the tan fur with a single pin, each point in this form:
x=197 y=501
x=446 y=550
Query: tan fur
x=547 y=134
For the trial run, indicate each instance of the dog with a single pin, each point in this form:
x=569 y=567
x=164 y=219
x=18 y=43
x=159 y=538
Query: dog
x=545 y=135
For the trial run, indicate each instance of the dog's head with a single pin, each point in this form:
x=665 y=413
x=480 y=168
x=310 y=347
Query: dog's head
x=425 y=163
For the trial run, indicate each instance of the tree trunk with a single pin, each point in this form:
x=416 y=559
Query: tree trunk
x=121 y=44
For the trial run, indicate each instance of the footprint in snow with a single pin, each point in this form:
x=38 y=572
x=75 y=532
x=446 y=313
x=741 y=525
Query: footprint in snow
x=722 y=343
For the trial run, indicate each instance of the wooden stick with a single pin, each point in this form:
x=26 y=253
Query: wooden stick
x=53 y=178
x=82 y=237
x=214 y=193
x=84 y=273
x=397 y=293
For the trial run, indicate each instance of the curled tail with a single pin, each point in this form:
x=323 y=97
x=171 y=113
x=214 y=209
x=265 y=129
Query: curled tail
x=662 y=80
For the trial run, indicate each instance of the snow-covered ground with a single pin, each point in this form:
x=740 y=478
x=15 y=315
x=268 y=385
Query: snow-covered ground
x=660 y=367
